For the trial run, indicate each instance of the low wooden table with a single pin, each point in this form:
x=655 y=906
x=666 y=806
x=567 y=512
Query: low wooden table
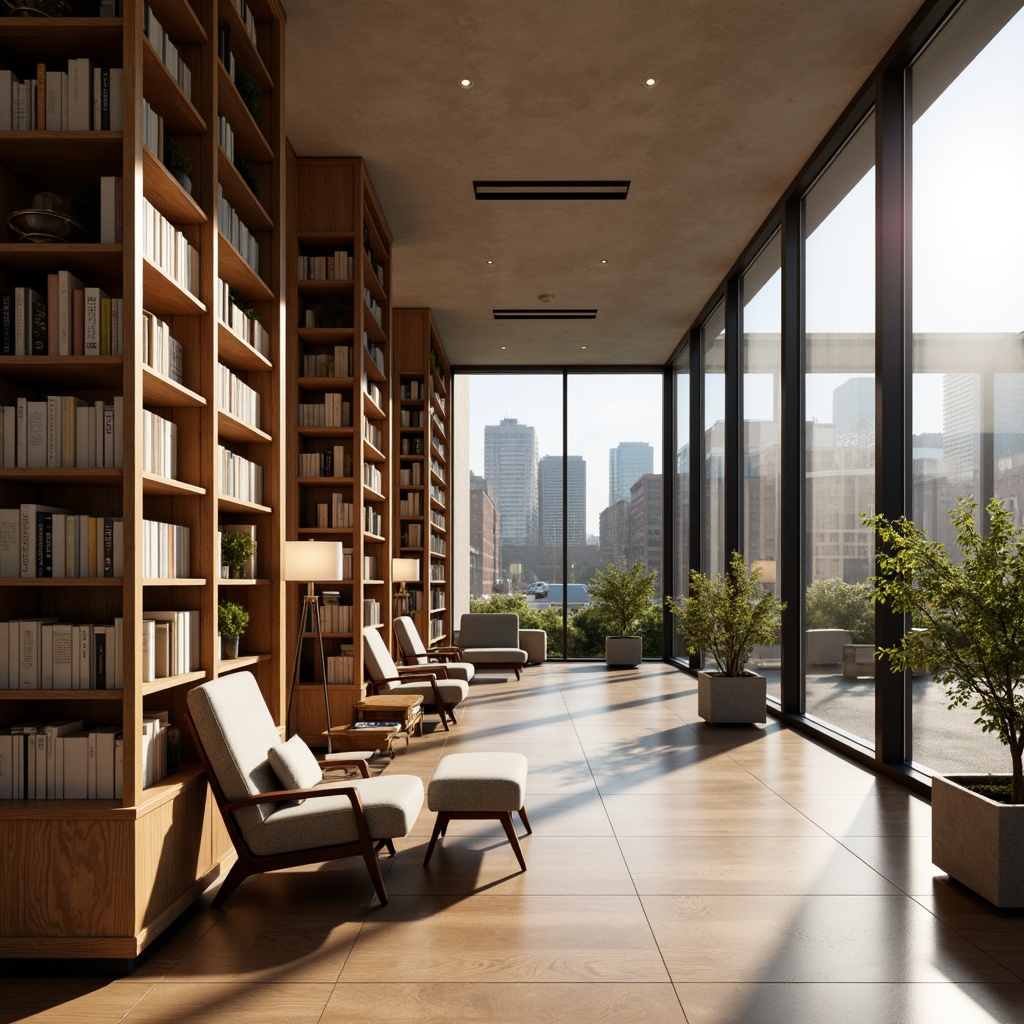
x=344 y=737
x=398 y=707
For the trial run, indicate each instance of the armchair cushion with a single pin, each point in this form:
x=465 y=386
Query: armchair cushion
x=294 y=764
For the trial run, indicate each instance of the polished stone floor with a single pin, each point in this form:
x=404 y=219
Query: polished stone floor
x=677 y=873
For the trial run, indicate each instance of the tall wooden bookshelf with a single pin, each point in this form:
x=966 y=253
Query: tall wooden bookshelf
x=421 y=436
x=339 y=406
x=103 y=877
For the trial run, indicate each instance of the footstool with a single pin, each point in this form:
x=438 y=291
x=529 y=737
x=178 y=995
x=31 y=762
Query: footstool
x=479 y=785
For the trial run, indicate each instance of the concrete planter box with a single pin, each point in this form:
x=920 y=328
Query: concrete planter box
x=732 y=700
x=978 y=841
x=623 y=651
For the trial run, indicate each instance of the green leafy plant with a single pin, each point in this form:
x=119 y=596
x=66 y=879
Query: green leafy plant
x=242 y=303
x=968 y=616
x=337 y=311
x=833 y=604
x=252 y=95
x=176 y=160
x=232 y=619
x=622 y=595
x=727 y=615
x=236 y=548
x=248 y=173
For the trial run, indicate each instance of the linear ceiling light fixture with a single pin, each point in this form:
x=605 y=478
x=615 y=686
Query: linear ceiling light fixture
x=550 y=189
x=545 y=314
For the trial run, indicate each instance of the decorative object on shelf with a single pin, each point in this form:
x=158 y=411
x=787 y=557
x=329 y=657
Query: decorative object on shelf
x=622 y=596
x=237 y=548
x=404 y=570
x=248 y=173
x=232 y=622
x=39 y=8
x=967 y=614
x=249 y=89
x=45 y=221
x=726 y=617
x=337 y=311
x=177 y=162
x=310 y=562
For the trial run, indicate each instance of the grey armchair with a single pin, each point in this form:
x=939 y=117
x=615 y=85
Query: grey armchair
x=276 y=824
x=491 y=641
x=415 y=653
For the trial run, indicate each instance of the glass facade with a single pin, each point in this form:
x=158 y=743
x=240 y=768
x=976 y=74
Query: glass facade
x=712 y=381
x=681 y=491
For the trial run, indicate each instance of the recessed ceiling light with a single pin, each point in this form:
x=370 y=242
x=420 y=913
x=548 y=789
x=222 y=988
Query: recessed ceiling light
x=583 y=346
x=503 y=347
x=466 y=83
x=604 y=261
x=650 y=83
x=490 y=262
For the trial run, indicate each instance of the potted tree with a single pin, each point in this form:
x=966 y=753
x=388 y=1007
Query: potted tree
x=621 y=597
x=726 y=617
x=232 y=621
x=968 y=623
x=236 y=550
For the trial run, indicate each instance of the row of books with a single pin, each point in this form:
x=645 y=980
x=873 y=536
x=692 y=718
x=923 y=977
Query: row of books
x=335 y=462
x=166 y=550
x=437 y=469
x=438 y=545
x=167 y=52
x=376 y=310
x=340 y=669
x=239 y=477
x=83 y=98
x=328 y=364
x=62 y=432
x=372 y=477
x=373 y=391
x=373 y=521
x=61 y=760
x=236 y=397
x=373 y=433
x=374 y=351
x=339 y=514
x=226 y=137
x=70 y=320
x=371 y=612
x=411 y=475
x=436 y=494
x=334 y=411
x=437 y=574
x=410 y=417
x=438 y=445
x=436 y=629
x=45 y=654
x=371 y=567
x=234 y=229
x=410 y=503
x=412 y=535
x=410 y=446
x=170 y=643
x=152 y=130
x=437 y=599
x=335 y=617
x=164 y=245
x=242 y=326
x=159 y=445
x=411 y=390
x=244 y=12
x=437 y=518
x=44 y=542
x=161 y=352
x=338 y=267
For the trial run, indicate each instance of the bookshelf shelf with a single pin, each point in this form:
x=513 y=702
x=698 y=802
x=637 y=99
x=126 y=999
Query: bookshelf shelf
x=149 y=854
x=245 y=53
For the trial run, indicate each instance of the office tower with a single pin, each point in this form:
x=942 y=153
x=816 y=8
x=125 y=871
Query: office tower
x=853 y=412
x=645 y=524
x=629 y=461
x=484 y=538
x=510 y=466
x=549 y=493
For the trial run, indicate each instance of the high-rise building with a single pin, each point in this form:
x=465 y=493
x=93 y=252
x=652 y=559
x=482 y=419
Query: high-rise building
x=627 y=462
x=853 y=412
x=614 y=531
x=484 y=538
x=549 y=494
x=510 y=466
x=645 y=528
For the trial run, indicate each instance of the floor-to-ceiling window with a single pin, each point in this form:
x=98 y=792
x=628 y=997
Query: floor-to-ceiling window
x=713 y=480
x=681 y=489
x=839 y=317
x=967 y=309
x=761 y=302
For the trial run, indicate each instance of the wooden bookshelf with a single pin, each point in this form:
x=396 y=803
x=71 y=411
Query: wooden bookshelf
x=103 y=878
x=336 y=210
x=420 y=437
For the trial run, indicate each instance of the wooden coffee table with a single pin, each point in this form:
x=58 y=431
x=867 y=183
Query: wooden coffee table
x=398 y=707
x=344 y=737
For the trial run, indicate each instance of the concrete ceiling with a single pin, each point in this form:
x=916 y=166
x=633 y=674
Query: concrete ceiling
x=745 y=91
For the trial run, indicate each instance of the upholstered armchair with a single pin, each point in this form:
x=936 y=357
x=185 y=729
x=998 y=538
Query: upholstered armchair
x=415 y=653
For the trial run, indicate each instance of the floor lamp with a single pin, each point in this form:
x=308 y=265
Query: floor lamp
x=310 y=562
x=404 y=570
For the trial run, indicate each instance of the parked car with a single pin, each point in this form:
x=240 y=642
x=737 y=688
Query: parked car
x=540 y=587
x=576 y=594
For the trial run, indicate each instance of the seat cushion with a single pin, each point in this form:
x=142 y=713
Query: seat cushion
x=460 y=670
x=478 y=782
x=494 y=655
x=294 y=764
x=391 y=804
x=453 y=691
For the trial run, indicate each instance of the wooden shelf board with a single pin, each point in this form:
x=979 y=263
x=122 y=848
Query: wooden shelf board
x=243 y=661
x=66 y=371
x=239 y=355
x=373 y=329
x=182 y=581
x=171 y=682
x=98 y=264
x=242 y=199
x=164 y=192
x=327 y=336
x=42 y=156
x=161 y=392
x=228 y=504
x=326 y=481
x=52 y=39
x=153 y=483
x=325 y=531
x=250 y=141
x=180 y=21
x=166 y=98
x=164 y=296
x=61 y=694
x=66 y=477
x=325 y=240
x=231 y=428
x=325 y=431
x=66 y=581
x=242 y=47
x=317 y=288
x=325 y=383
x=233 y=269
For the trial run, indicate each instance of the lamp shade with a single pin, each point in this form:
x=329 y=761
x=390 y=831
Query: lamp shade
x=308 y=561
x=405 y=570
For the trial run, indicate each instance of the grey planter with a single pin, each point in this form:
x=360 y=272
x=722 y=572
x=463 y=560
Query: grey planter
x=732 y=700
x=229 y=647
x=978 y=841
x=623 y=651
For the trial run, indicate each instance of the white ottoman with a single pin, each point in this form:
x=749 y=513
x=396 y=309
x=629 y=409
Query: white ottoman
x=484 y=785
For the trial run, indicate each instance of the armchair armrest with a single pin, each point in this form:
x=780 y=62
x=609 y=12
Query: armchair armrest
x=347 y=762
x=422 y=672
x=278 y=796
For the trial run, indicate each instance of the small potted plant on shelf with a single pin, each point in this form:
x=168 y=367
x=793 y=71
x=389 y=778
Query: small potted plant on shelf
x=232 y=621
x=251 y=93
x=967 y=616
x=177 y=163
x=622 y=596
x=237 y=548
x=726 y=616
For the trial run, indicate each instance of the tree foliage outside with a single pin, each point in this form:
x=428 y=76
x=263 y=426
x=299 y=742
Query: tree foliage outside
x=967 y=618
x=622 y=595
x=833 y=604
x=727 y=615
